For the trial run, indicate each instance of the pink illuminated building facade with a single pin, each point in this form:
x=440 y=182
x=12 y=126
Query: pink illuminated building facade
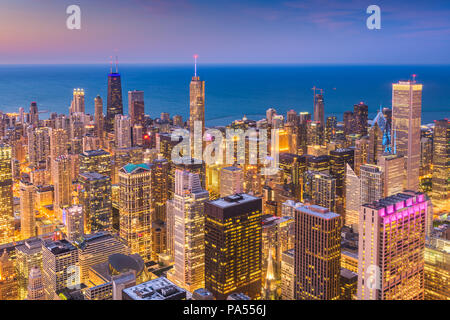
x=391 y=248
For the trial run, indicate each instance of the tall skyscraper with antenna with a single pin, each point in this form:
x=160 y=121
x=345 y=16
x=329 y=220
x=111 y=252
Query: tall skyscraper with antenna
x=196 y=105
x=114 y=100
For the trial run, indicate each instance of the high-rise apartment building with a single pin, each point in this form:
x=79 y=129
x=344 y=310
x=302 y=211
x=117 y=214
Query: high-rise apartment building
x=135 y=208
x=233 y=246
x=406 y=121
x=391 y=248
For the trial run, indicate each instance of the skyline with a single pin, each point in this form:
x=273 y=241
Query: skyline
x=257 y=32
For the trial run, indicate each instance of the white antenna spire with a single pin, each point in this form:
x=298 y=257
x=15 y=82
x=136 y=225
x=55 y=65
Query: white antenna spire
x=195 y=64
x=110 y=64
x=117 y=62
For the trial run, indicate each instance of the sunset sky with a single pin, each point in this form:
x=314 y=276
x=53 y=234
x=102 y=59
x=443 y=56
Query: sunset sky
x=232 y=31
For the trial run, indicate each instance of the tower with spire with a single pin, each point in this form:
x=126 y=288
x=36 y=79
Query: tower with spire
x=196 y=108
x=270 y=281
x=114 y=99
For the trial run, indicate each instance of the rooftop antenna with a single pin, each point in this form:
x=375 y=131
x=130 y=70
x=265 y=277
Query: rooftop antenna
x=195 y=64
x=110 y=64
x=414 y=78
x=117 y=62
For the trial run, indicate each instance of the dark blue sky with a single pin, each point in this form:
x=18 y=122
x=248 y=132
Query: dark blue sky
x=232 y=31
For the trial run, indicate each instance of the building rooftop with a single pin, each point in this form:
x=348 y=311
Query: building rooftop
x=91 y=153
x=135 y=168
x=90 y=176
x=233 y=200
x=59 y=247
x=156 y=289
x=397 y=201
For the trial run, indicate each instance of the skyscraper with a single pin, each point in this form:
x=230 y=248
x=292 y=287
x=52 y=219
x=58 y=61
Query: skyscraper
x=122 y=131
x=338 y=160
x=35 y=285
x=6 y=196
x=371 y=183
x=28 y=256
x=136 y=108
x=231 y=181
x=392 y=166
x=27 y=216
x=319 y=112
x=63 y=184
x=114 y=104
x=353 y=196
x=78 y=101
x=406 y=121
x=441 y=166
x=8 y=279
x=95 y=198
x=96 y=161
x=96 y=248
x=317 y=251
x=189 y=231
x=135 y=208
x=437 y=271
x=233 y=246
x=38 y=146
x=74 y=222
x=196 y=107
x=360 y=114
x=391 y=248
x=99 y=119
x=59 y=267
x=34 y=115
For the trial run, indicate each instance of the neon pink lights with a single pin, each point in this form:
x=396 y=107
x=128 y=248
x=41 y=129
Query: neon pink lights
x=390 y=209
x=403 y=209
